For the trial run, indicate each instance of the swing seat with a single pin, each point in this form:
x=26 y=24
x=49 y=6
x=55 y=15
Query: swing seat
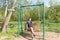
x=27 y=29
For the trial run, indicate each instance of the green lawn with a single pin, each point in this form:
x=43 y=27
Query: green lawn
x=53 y=27
x=12 y=28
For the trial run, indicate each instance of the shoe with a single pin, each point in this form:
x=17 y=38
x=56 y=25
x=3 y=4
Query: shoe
x=34 y=35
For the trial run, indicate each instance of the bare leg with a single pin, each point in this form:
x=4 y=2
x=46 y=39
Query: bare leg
x=32 y=31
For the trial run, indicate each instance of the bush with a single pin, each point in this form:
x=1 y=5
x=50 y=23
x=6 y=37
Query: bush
x=34 y=16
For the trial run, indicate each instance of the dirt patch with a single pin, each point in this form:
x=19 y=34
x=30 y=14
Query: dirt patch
x=52 y=36
x=39 y=36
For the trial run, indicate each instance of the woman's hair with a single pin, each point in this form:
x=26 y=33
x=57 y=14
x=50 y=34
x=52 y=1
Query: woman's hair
x=28 y=19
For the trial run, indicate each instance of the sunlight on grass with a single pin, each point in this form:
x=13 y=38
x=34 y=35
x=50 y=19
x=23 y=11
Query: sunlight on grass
x=12 y=29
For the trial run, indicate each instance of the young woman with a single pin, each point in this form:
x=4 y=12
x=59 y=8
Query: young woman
x=29 y=26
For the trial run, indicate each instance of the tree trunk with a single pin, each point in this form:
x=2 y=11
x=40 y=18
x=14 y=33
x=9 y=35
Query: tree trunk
x=7 y=18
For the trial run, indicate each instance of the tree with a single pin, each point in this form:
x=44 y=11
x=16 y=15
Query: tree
x=7 y=18
x=53 y=14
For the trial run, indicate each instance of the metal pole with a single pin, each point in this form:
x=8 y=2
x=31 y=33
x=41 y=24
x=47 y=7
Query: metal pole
x=20 y=28
x=21 y=20
x=43 y=23
x=19 y=23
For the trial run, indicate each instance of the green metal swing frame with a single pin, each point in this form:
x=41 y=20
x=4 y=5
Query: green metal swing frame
x=20 y=16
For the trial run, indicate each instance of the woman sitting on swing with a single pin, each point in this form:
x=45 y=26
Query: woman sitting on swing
x=29 y=27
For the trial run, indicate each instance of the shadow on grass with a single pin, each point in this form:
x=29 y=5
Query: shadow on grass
x=29 y=37
x=26 y=35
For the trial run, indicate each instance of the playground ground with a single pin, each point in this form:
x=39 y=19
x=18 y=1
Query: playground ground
x=52 y=33
x=39 y=36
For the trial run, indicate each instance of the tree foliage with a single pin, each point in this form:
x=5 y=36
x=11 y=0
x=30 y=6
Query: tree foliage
x=52 y=12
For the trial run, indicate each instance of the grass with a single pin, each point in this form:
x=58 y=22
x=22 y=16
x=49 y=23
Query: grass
x=53 y=27
x=12 y=29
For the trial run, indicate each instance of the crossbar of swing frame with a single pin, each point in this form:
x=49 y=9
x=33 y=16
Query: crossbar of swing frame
x=32 y=5
x=43 y=16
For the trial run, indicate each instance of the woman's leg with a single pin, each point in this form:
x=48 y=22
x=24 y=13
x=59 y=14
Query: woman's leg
x=32 y=31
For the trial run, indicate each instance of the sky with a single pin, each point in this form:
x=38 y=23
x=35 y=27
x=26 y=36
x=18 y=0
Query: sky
x=46 y=2
x=1 y=3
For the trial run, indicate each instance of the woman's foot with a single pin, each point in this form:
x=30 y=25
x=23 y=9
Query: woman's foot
x=34 y=35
